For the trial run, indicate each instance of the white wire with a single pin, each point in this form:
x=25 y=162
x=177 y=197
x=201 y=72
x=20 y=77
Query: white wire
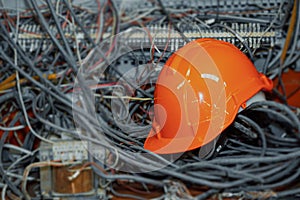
x=123 y=97
x=25 y=112
x=16 y=57
x=15 y=128
x=130 y=19
x=76 y=43
x=101 y=18
x=20 y=159
x=13 y=175
x=3 y=192
x=19 y=88
x=5 y=91
x=10 y=146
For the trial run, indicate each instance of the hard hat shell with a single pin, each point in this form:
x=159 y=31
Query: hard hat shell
x=198 y=94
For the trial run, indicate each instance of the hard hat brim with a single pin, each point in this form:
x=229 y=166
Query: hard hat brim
x=170 y=145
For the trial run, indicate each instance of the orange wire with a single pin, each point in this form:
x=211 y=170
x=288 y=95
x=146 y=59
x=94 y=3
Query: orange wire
x=8 y=85
x=289 y=33
x=8 y=79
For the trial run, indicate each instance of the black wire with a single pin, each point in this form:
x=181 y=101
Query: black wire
x=79 y=23
x=242 y=41
x=67 y=57
x=286 y=193
x=165 y=12
x=273 y=115
x=282 y=108
x=29 y=62
x=44 y=88
x=237 y=167
x=7 y=96
x=207 y=194
x=2 y=171
x=131 y=196
x=62 y=35
x=266 y=64
x=259 y=131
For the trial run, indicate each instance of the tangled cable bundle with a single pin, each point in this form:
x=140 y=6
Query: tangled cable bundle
x=87 y=72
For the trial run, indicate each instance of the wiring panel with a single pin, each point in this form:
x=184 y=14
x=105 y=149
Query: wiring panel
x=77 y=83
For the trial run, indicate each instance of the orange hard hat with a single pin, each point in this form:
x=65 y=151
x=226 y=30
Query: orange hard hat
x=198 y=94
